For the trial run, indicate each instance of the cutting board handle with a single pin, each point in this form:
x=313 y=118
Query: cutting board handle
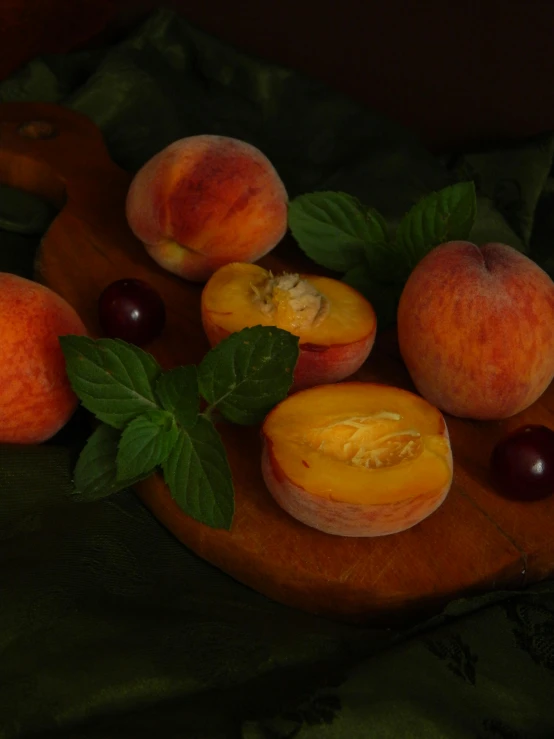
x=55 y=153
x=60 y=156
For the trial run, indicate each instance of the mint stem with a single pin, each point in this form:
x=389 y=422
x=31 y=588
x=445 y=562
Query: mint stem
x=208 y=412
x=213 y=414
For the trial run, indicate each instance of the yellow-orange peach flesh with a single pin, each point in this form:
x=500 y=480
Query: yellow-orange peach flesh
x=357 y=459
x=205 y=201
x=335 y=324
x=36 y=399
x=476 y=330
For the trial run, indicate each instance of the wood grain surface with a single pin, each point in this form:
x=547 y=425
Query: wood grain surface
x=476 y=540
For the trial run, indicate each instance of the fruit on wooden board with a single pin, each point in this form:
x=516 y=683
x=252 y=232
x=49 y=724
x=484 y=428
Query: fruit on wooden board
x=357 y=459
x=205 y=201
x=476 y=329
x=36 y=399
x=522 y=463
x=336 y=325
x=131 y=310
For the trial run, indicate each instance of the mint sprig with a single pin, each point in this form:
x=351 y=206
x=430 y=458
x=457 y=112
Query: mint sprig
x=151 y=419
x=337 y=232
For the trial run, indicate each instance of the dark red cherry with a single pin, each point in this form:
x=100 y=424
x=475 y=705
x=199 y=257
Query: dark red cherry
x=522 y=463
x=131 y=310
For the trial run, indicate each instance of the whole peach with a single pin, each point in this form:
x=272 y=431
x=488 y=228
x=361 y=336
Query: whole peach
x=476 y=329
x=36 y=399
x=205 y=201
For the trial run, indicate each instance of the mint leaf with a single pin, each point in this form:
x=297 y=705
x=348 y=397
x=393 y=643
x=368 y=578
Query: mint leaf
x=113 y=379
x=198 y=475
x=379 y=230
x=96 y=469
x=447 y=215
x=332 y=228
x=386 y=263
x=247 y=373
x=145 y=443
x=177 y=390
x=383 y=297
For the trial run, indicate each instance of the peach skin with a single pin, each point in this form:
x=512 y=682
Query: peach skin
x=36 y=399
x=205 y=201
x=335 y=323
x=476 y=329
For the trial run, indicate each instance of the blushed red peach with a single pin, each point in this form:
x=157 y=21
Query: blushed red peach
x=36 y=399
x=336 y=325
x=357 y=459
x=476 y=329
x=205 y=201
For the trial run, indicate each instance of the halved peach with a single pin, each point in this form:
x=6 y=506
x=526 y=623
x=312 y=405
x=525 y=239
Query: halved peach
x=336 y=325
x=357 y=459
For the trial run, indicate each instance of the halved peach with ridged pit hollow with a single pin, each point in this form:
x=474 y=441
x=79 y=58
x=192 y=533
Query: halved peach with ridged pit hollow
x=336 y=325
x=357 y=459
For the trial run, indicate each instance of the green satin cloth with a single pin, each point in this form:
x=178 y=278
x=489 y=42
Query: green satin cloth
x=109 y=627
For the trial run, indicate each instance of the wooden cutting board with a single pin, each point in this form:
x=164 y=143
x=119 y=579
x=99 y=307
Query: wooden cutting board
x=476 y=540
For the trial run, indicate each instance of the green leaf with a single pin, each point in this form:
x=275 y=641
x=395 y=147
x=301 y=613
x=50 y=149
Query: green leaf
x=146 y=443
x=199 y=477
x=332 y=228
x=447 y=215
x=178 y=392
x=383 y=297
x=247 y=373
x=96 y=469
x=379 y=230
x=113 y=379
x=386 y=263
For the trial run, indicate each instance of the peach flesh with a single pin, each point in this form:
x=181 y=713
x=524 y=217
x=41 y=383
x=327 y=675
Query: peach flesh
x=36 y=399
x=476 y=330
x=205 y=201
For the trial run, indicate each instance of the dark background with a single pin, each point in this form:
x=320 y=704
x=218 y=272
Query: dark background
x=457 y=73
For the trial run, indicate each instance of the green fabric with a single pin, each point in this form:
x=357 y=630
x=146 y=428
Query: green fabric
x=109 y=627
x=23 y=213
